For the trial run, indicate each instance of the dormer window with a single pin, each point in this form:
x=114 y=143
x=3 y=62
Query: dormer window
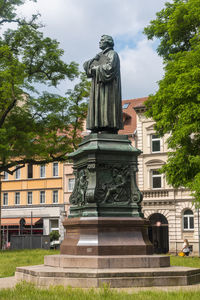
x=125 y=105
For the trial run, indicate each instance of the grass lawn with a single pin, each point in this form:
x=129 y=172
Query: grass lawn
x=193 y=262
x=29 y=292
x=11 y=259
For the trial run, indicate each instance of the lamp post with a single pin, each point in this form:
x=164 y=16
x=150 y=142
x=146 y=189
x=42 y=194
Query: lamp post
x=1 y=177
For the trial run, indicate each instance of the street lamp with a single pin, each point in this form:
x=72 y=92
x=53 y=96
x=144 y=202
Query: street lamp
x=1 y=177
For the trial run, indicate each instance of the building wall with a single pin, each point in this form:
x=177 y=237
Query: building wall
x=50 y=184
x=68 y=176
x=167 y=201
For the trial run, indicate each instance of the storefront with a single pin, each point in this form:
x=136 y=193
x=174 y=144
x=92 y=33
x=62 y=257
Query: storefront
x=15 y=226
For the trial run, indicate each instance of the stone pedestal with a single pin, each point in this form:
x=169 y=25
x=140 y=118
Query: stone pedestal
x=106 y=236
x=105 y=167
x=105 y=206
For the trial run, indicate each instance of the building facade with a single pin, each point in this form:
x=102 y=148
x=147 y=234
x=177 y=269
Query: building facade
x=35 y=194
x=171 y=211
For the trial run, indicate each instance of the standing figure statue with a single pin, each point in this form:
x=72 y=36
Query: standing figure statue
x=105 y=106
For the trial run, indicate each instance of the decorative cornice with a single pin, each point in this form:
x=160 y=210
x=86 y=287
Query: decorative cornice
x=157 y=202
x=32 y=179
x=32 y=206
x=32 y=190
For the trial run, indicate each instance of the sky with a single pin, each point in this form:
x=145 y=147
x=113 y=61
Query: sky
x=79 y=24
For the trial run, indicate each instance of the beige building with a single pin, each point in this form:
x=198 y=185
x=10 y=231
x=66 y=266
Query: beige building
x=34 y=193
x=171 y=211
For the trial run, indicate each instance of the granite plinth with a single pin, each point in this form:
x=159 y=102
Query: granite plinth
x=106 y=236
x=107 y=262
x=44 y=276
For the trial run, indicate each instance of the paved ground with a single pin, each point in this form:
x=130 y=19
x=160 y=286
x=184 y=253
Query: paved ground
x=7 y=282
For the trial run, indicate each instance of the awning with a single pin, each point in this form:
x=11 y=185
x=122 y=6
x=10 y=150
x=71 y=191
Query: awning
x=15 y=221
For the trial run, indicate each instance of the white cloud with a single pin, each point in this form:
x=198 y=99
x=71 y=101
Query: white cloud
x=141 y=68
x=78 y=25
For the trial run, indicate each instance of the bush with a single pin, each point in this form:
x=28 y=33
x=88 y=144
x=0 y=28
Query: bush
x=54 y=235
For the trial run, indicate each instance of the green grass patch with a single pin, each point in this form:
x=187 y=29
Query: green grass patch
x=11 y=259
x=193 y=262
x=30 y=292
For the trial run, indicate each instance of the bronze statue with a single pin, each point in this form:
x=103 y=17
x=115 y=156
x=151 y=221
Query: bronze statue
x=105 y=106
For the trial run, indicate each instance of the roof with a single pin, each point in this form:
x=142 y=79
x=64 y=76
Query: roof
x=129 y=114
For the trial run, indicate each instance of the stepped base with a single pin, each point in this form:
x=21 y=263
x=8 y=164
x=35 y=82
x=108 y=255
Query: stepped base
x=115 y=271
x=44 y=276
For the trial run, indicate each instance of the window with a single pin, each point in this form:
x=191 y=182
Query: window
x=42 y=171
x=188 y=220
x=17 y=174
x=71 y=182
x=30 y=171
x=156 y=179
x=17 y=198
x=54 y=225
x=155 y=143
x=42 y=197
x=55 y=169
x=5 y=198
x=5 y=176
x=29 y=197
x=125 y=105
x=55 y=196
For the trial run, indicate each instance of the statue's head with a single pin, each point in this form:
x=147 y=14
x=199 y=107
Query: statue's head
x=106 y=41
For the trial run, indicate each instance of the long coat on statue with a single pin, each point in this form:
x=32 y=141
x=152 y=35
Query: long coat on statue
x=105 y=106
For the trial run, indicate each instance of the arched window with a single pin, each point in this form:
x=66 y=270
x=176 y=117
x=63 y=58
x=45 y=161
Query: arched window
x=188 y=220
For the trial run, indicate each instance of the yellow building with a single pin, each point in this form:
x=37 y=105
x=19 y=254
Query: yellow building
x=34 y=193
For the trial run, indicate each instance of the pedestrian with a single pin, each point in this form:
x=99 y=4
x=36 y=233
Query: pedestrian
x=186 y=249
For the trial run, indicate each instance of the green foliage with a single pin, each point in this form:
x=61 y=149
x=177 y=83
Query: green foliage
x=176 y=105
x=177 y=26
x=8 y=11
x=54 y=235
x=36 y=127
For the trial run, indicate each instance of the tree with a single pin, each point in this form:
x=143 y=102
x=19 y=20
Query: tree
x=175 y=107
x=35 y=127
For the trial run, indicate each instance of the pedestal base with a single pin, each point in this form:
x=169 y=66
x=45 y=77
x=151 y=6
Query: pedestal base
x=82 y=277
x=106 y=236
x=107 y=262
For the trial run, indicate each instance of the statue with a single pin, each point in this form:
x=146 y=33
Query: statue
x=105 y=106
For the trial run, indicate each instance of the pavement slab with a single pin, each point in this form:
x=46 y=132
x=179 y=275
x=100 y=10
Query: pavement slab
x=7 y=282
